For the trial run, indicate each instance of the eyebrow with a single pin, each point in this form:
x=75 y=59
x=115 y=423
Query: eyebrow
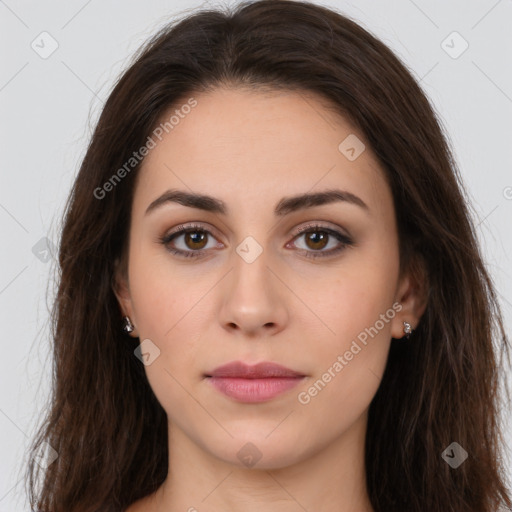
x=285 y=206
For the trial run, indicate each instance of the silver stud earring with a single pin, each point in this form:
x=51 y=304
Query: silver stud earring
x=128 y=326
x=407 y=330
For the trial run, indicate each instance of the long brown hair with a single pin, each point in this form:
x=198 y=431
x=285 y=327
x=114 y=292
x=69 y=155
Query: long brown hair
x=104 y=421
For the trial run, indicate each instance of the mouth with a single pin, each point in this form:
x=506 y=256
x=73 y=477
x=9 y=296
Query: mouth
x=253 y=384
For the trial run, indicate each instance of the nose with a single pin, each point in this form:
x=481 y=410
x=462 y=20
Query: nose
x=253 y=298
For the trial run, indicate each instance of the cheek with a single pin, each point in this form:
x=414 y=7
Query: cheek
x=349 y=363
x=169 y=318
x=166 y=316
x=167 y=309
x=362 y=290
x=356 y=310
x=160 y=297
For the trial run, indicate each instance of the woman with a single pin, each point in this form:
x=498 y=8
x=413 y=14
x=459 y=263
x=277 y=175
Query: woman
x=271 y=293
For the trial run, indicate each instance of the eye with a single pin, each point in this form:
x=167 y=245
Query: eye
x=194 y=241
x=318 y=237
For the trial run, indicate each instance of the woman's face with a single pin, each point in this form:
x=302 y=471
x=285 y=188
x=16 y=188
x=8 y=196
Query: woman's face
x=254 y=281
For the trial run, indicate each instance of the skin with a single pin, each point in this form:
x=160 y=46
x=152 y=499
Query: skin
x=250 y=149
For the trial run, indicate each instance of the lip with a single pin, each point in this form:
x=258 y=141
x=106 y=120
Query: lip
x=256 y=383
x=266 y=369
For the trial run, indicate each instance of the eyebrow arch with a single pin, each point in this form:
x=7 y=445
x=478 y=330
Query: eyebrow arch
x=285 y=206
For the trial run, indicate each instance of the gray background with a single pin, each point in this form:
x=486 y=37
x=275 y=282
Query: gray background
x=49 y=105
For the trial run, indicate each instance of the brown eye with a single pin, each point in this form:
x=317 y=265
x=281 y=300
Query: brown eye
x=317 y=240
x=189 y=242
x=195 y=239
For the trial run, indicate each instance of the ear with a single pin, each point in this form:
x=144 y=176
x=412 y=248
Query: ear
x=412 y=294
x=121 y=289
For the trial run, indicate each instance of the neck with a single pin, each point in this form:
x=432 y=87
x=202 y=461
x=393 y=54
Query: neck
x=332 y=479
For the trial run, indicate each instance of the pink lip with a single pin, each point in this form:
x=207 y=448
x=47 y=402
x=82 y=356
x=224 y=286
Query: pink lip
x=257 y=371
x=257 y=383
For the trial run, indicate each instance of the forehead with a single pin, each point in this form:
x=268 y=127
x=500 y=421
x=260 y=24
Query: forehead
x=243 y=145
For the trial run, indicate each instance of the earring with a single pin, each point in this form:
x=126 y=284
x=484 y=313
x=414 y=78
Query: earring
x=407 y=330
x=128 y=326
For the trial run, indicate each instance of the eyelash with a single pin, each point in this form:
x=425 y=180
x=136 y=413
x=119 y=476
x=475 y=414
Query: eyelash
x=344 y=240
